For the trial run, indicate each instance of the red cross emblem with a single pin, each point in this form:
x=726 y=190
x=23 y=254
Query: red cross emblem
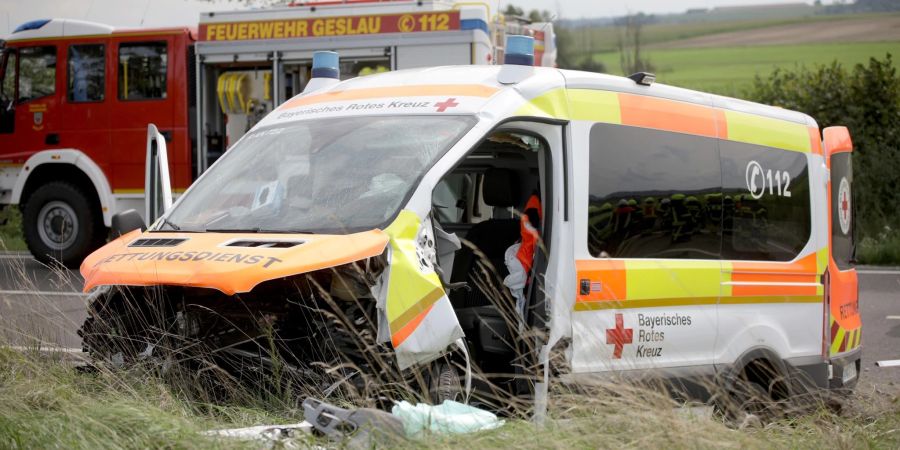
x=619 y=336
x=449 y=103
x=845 y=205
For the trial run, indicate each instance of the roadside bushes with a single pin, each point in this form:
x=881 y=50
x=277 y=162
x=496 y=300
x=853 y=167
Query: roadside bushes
x=866 y=99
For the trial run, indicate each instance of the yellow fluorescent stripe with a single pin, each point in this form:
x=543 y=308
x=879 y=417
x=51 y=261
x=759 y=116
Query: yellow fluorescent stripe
x=753 y=129
x=694 y=301
x=655 y=279
x=645 y=303
x=821 y=260
x=836 y=341
x=549 y=104
x=595 y=106
x=415 y=309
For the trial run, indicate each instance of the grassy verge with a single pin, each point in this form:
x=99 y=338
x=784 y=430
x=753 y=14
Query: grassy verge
x=45 y=403
x=11 y=230
x=883 y=249
x=605 y=38
x=730 y=71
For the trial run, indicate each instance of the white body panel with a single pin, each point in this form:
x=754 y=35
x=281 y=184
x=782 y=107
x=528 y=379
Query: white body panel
x=79 y=161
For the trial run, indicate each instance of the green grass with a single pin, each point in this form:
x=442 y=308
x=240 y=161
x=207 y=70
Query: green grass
x=882 y=249
x=45 y=403
x=730 y=71
x=605 y=39
x=11 y=230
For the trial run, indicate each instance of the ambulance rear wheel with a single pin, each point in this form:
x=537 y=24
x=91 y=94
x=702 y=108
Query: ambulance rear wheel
x=60 y=224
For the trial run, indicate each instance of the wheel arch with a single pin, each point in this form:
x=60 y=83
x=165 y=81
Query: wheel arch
x=71 y=165
x=762 y=365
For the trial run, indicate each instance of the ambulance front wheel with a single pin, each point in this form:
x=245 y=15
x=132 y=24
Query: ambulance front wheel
x=61 y=224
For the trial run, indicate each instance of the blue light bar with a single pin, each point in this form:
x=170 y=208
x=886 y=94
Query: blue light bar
x=325 y=65
x=519 y=50
x=32 y=25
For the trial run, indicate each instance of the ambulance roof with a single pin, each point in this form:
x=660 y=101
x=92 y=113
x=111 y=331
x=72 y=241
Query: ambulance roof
x=476 y=89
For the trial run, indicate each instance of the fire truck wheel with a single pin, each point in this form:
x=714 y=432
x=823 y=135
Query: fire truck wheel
x=59 y=224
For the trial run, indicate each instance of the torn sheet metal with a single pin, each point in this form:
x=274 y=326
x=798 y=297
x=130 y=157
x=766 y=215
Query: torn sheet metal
x=413 y=308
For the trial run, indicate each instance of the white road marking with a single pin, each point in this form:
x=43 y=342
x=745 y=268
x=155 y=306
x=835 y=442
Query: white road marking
x=888 y=363
x=44 y=293
x=893 y=317
x=877 y=272
x=15 y=256
x=45 y=348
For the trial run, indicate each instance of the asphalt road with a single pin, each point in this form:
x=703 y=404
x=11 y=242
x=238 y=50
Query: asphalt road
x=39 y=304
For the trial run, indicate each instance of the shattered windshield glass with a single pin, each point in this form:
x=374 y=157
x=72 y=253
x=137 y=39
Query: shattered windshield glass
x=336 y=175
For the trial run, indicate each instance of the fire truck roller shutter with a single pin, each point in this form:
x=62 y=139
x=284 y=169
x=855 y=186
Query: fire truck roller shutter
x=71 y=195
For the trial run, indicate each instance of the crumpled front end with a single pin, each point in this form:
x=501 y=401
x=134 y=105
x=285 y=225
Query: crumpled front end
x=321 y=311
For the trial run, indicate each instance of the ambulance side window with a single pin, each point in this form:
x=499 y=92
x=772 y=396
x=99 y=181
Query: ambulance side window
x=842 y=211
x=142 y=71
x=37 y=72
x=767 y=208
x=653 y=194
x=86 y=73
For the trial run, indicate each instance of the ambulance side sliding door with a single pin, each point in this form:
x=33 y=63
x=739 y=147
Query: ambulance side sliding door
x=647 y=250
x=771 y=292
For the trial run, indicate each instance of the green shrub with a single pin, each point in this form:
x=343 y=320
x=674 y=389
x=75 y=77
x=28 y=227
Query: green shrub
x=866 y=99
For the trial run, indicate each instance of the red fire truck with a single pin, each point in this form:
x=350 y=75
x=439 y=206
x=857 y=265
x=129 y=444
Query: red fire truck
x=76 y=97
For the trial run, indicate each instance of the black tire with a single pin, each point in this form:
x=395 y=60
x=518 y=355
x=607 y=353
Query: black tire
x=72 y=226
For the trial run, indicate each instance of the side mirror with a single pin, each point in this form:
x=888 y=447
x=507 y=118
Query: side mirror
x=126 y=222
x=157 y=187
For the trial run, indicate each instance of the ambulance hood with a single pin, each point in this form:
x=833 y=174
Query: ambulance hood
x=231 y=263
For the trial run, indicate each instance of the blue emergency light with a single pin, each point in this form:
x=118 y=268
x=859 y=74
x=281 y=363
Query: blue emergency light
x=325 y=65
x=32 y=25
x=519 y=50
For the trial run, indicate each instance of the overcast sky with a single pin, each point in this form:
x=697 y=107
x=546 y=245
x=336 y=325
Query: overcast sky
x=154 y=13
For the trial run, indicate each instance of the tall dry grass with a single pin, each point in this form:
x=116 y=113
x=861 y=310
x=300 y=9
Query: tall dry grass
x=53 y=400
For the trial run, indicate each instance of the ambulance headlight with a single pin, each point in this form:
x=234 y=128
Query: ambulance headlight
x=519 y=50
x=325 y=65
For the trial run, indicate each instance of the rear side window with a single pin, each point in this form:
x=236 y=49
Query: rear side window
x=142 y=71
x=766 y=206
x=653 y=194
x=842 y=211
x=86 y=73
x=37 y=72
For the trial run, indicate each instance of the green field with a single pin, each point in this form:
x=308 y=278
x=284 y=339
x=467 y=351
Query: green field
x=731 y=70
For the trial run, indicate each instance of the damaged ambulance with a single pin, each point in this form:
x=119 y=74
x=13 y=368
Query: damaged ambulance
x=425 y=228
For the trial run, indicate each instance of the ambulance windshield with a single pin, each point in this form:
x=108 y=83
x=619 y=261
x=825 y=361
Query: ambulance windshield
x=336 y=175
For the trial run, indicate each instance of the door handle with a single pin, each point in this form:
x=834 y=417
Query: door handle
x=51 y=139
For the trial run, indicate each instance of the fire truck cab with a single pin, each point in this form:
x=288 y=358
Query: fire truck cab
x=76 y=99
x=77 y=96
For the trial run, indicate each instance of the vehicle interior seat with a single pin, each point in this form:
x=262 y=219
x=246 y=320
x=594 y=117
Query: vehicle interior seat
x=501 y=190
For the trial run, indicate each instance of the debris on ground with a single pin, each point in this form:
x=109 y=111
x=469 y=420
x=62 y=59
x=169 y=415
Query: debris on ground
x=357 y=428
x=449 y=417
x=272 y=436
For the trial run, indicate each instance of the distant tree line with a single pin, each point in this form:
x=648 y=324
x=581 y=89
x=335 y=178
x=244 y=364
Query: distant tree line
x=861 y=6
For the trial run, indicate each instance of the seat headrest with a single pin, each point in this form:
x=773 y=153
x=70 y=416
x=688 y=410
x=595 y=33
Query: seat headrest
x=501 y=188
